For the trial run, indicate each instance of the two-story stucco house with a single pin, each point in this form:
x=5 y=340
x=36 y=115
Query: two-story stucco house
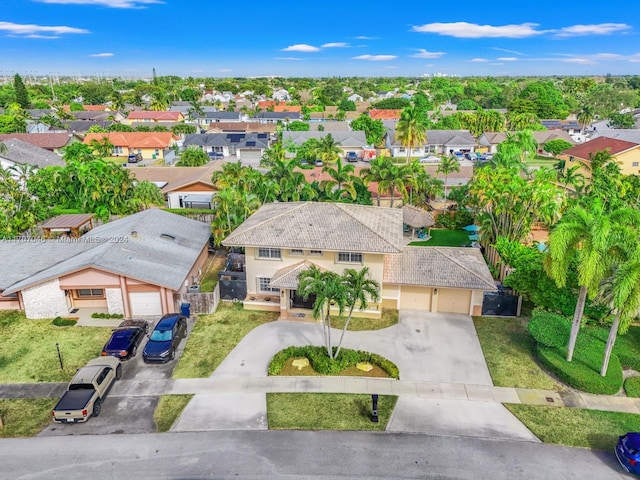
x=625 y=154
x=283 y=239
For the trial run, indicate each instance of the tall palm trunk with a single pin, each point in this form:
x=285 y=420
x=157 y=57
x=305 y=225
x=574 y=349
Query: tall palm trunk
x=611 y=340
x=575 y=326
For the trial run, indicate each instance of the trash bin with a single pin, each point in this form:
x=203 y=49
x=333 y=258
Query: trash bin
x=185 y=309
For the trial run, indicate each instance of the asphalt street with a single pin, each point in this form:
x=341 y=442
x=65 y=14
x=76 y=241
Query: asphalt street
x=297 y=455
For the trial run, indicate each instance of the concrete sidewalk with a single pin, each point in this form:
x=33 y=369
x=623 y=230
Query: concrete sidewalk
x=365 y=385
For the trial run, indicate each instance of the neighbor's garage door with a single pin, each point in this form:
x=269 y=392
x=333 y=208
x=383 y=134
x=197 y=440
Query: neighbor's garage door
x=416 y=298
x=145 y=303
x=454 y=300
x=251 y=155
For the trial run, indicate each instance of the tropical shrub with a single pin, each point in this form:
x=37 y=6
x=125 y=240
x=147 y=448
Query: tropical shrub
x=321 y=363
x=454 y=219
x=64 y=322
x=632 y=386
x=549 y=329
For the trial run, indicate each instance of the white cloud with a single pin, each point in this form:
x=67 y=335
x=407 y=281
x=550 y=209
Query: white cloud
x=225 y=70
x=599 y=29
x=292 y=59
x=581 y=61
x=301 y=47
x=335 y=45
x=101 y=55
x=37 y=31
x=364 y=37
x=41 y=37
x=376 y=58
x=507 y=59
x=422 y=53
x=478 y=60
x=472 y=30
x=106 y=3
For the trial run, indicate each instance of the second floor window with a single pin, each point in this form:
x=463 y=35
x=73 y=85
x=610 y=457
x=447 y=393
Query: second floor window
x=266 y=252
x=349 y=257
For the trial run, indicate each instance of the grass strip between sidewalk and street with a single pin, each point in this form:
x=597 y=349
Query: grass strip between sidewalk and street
x=574 y=427
x=169 y=408
x=25 y=417
x=327 y=411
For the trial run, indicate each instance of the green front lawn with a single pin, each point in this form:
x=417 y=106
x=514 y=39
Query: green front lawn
x=169 y=408
x=214 y=336
x=445 y=238
x=29 y=352
x=509 y=350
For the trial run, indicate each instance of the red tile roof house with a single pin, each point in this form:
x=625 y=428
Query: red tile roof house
x=626 y=154
x=54 y=142
x=151 y=145
x=385 y=114
x=152 y=117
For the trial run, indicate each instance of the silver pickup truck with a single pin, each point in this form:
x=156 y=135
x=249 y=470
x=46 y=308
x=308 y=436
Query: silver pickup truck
x=86 y=390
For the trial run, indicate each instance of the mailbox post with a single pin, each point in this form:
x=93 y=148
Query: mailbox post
x=374 y=410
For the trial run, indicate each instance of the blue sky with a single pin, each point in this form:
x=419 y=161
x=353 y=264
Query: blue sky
x=315 y=39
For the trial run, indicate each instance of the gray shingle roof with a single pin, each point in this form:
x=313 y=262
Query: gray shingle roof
x=322 y=226
x=355 y=138
x=161 y=252
x=442 y=137
x=27 y=154
x=452 y=267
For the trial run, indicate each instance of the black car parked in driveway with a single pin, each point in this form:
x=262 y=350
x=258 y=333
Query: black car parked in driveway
x=164 y=338
x=125 y=339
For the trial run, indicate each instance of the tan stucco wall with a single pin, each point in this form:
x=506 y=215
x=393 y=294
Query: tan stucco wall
x=624 y=159
x=267 y=268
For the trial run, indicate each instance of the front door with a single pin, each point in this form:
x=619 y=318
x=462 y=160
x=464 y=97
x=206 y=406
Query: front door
x=298 y=302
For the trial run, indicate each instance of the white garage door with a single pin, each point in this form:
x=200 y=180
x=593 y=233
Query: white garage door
x=250 y=155
x=145 y=303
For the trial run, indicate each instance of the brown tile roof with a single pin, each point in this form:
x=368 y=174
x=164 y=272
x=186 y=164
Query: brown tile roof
x=287 y=277
x=177 y=177
x=452 y=267
x=337 y=227
x=69 y=220
x=614 y=146
x=134 y=139
x=157 y=116
x=385 y=114
x=49 y=141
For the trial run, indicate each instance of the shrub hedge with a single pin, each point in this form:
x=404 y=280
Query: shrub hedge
x=321 y=363
x=632 y=386
x=550 y=329
x=551 y=332
x=106 y=315
x=64 y=322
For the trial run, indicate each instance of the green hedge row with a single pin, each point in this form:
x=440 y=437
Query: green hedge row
x=321 y=363
x=106 y=315
x=550 y=329
x=632 y=387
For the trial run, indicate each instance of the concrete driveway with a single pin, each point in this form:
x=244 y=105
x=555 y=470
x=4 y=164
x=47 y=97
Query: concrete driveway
x=127 y=414
x=426 y=347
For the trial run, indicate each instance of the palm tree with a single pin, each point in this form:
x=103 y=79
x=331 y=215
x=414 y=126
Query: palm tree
x=622 y=291
x=448 y=165
x=103 y=147
x=594 y=235
x=327 y=149
x=410 y=130
x=328 y=289
x=378 y=172
x=585 y=116
x=342 y=179
x=359 y=288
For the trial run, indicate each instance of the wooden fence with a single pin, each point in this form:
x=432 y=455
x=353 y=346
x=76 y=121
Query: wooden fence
x=199 y=302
